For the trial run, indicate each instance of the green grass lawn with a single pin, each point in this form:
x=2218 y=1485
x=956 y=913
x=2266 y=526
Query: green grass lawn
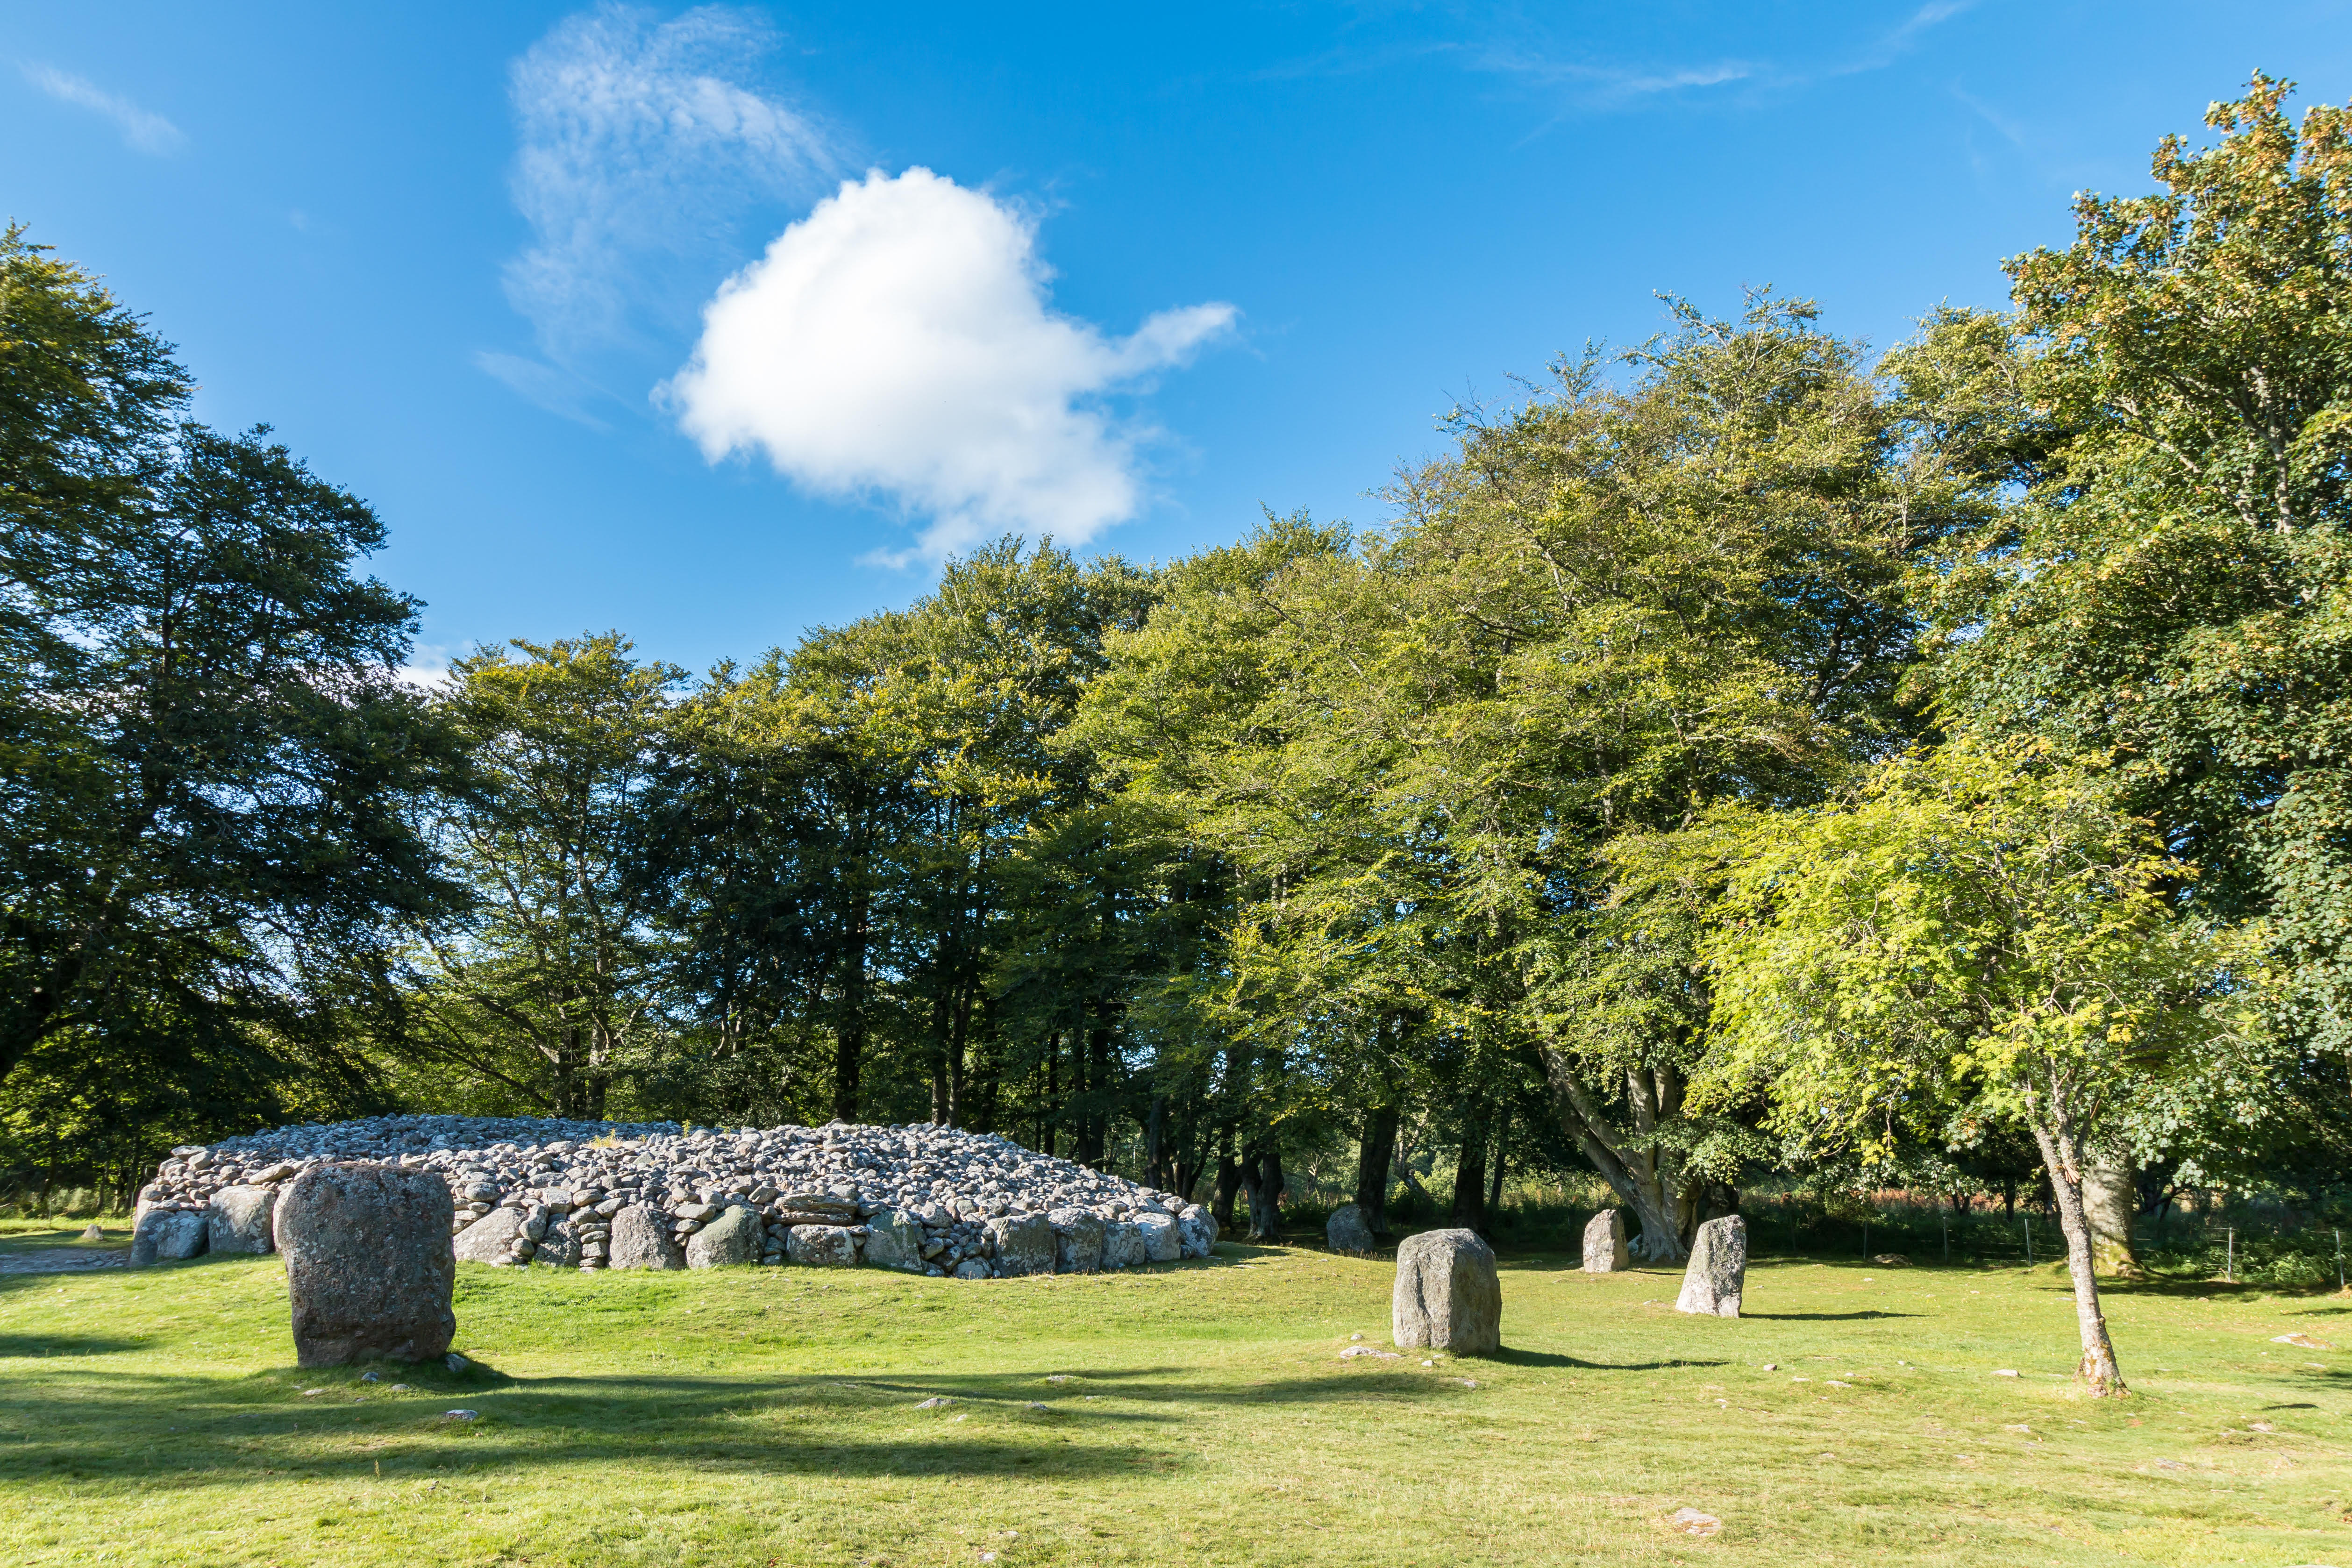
x=1197 y=1415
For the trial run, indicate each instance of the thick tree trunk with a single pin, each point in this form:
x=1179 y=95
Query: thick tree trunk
x=2110 y=1194
x=2060 y=1154
x=849 y=1035
x=1643 y=1180
x=1229 y=1181
x=1373 y=1159
x=1155 y=1138
x=1265 y=1184
x=1469 y=1211
x=1495 y=1172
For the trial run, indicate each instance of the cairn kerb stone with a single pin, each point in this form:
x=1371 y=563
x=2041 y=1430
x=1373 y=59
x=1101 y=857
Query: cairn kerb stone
x=1718 y=1268
x=1078 y=1241
x=1023 y=1244
x=641 y=1241
x=370 y=1270
x=1447 y=1297
x=894 y=1241
x=1346 y=1231
x=1604 y=1243
x=569 y=1182
x=238 y=1220
x=734 y=1237
x=821 y=1246
x=1122 y=1245
x=166 y=1236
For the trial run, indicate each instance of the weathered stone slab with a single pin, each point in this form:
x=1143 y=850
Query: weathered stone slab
x=166 y=1236
x=896 y=1241
x=1025 y=1243
x=369 y=1271
x=491 y=1238
x=1346 y=1230
x=732 y=1237
x=1078 y=1241
x=821 y=1246
x=1198 y=1227
x=1162 y=1243
x=1122 y=1245
x=1604 y=1243
x=1718 y=1268
x=640 y=1241
x=238 y=1220
x=1448 y=1296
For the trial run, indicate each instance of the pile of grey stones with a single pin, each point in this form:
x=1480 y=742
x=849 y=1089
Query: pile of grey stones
x=592 y=1196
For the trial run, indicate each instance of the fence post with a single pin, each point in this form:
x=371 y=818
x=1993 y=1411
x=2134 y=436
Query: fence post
x=2230 y=1259
x=2029 y=1241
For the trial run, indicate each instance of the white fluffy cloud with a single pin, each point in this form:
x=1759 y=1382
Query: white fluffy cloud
x=899 y=342
x=642 y=142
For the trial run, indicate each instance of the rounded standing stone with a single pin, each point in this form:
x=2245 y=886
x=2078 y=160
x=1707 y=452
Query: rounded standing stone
x=897 y=1242
x=1346 y=1230
x=1448 y=1296
x=1718 y=1268
x=369 y=1267
x=1604 y=1243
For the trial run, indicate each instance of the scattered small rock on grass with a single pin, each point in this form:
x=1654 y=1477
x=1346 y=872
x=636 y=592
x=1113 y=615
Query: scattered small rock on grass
x=1691 y=1521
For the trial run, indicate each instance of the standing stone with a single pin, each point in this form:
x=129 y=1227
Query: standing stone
x=733 y=1237
x=1719 y=1268
x=166 y=1236
x=1347 y=1232
x=1122 y=1245
x=491 y=1239
x=638 y=1241
x=369 y=1266
x=1078 y=1241
x=1604 y=1243
x=895 y=1242
x=237 y=1220
x=1447 y=1295
x=1162 y=1243
x=821 y=1245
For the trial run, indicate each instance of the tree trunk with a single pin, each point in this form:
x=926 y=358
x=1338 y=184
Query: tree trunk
x=1266 y=1186
x=1229 y=1181
x=2062 y=1155
x=1494 y=1175
x=1155 y=1138
x=1643 y=1180
x=1470 y=1180
x=849 y=1035
x=2110 y=1194
x=1372 y=1158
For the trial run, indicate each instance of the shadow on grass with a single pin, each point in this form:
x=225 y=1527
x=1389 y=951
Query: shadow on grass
x=61 y=1344
x=1825 y=1317
x=324 y=1423
x=1510 y=1357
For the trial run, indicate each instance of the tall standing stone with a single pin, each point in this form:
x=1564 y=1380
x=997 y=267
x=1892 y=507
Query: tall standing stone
x=1604 y=1243
x=1447 y=1297
x=1346 y=1230
x=369 y=1267
x=1718 y=1268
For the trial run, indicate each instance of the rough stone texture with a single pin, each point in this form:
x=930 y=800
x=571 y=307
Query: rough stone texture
x=734 y=1237
x=1123 y=1246
x=1346 y=1230
x=491 y=1238
x=238 y=1220
x=561 y=1245
x=1025 y=1244
x=569 y=1179
x=895 y=1242
x=1447 y=1295
x=821 y=1245
x=640 y=1242
x=1604 y=1243
x=166 y=1236
x=1079 y=1237
x=1198 y=1227
x=1161 y=1244
x=1719 y=1268
x=369 y=1266
x=971 y=1269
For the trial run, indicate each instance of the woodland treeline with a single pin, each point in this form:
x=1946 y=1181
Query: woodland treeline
x=1747 y=754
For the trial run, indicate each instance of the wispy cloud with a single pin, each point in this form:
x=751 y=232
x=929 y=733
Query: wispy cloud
x=643 y=145
x=898 y=343
x=143 y=129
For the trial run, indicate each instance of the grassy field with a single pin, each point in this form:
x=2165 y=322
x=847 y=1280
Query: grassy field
x=1198 y=1415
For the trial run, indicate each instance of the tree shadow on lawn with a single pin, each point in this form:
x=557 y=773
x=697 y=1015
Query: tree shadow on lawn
x=32 y=1346
x=1825 y=1317
x=1510 y=1357
x=199 y=1431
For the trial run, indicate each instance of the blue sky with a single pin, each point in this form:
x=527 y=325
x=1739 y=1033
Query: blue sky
x=713 y=324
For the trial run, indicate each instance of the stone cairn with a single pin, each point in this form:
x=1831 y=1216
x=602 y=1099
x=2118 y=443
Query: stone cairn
x=589 y=1196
